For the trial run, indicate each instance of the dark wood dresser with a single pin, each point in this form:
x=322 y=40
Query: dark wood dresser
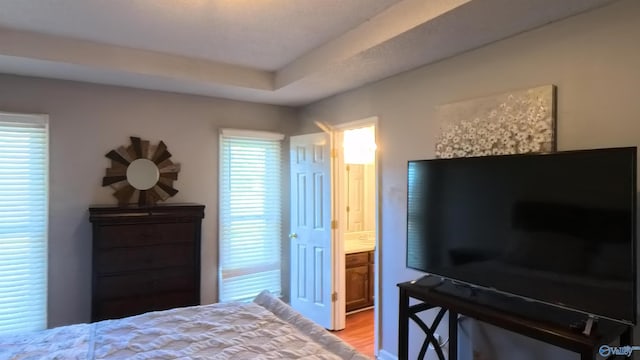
x=145 y=258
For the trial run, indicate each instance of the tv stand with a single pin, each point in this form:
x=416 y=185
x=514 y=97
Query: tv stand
x=549 y=325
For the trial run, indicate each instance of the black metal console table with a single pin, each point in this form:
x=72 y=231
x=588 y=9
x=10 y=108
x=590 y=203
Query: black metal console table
x=534 y=320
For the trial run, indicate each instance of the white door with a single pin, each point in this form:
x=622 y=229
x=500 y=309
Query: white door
x=355 y=198
x=312 y=264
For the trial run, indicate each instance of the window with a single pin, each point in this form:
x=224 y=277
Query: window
x=250 y=214
x=23 y=222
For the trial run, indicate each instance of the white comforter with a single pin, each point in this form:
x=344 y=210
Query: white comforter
x=264 y=329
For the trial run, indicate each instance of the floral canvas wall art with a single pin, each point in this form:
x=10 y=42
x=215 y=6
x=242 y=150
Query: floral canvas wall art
x=515 y=122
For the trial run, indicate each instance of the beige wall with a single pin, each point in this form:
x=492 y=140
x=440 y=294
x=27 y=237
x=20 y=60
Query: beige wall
x=87 y=121
x=593 y=58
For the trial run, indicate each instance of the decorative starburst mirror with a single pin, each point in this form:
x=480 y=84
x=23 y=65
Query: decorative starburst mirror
x=141 y=171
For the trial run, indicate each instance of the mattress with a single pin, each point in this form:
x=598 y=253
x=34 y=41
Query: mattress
x=266 y=328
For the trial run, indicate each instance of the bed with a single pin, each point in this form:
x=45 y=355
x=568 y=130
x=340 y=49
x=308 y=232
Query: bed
x=266 y=328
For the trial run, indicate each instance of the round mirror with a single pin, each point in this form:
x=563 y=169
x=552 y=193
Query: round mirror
x=142 y=174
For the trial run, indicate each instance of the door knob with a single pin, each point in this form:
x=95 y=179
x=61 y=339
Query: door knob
x=293 y=236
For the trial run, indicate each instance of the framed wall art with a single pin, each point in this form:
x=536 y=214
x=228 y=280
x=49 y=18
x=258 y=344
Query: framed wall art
x=515 y=122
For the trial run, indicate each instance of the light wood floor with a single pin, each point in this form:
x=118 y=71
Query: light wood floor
x=358 y=331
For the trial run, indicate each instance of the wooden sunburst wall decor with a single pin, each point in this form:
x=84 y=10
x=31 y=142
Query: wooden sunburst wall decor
x=141 y=171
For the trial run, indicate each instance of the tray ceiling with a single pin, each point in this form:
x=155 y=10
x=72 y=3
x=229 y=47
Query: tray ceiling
x=289 y=52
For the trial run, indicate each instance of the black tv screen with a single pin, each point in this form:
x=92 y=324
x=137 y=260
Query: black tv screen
x=557 y=228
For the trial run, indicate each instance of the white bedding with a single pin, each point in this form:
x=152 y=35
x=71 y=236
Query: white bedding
x=264 y=329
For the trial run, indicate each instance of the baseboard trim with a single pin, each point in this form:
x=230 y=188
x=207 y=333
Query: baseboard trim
x=360 y=310
x=385 y=355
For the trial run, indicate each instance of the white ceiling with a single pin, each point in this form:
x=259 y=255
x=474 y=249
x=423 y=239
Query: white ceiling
x=289 y=52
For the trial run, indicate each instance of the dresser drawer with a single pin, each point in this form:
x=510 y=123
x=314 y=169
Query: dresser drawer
x=126 y=235
x=145 y=283
x=118 y=308
x=117 y=260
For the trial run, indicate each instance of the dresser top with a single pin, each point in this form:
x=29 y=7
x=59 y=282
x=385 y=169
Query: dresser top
x=109 y=212
x=136 y=206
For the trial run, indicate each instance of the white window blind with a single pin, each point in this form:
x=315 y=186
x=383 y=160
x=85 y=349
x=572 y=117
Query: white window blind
x=250 y=214
x=23 y=222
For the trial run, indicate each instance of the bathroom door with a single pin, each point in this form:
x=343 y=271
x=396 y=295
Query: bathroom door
x=312 y=264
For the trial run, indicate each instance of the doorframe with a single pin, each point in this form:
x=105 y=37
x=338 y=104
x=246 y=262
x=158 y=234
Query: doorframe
x=340 y=201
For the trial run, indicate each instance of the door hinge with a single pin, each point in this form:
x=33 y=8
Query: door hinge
x=348 y=209
x=334 y=224
x=334 y=153
x=334 y=297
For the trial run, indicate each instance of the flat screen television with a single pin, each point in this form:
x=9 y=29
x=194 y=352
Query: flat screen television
x=556 y=228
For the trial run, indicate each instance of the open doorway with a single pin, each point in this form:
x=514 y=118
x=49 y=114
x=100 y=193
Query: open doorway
x=356 y=202
x=323 y=192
